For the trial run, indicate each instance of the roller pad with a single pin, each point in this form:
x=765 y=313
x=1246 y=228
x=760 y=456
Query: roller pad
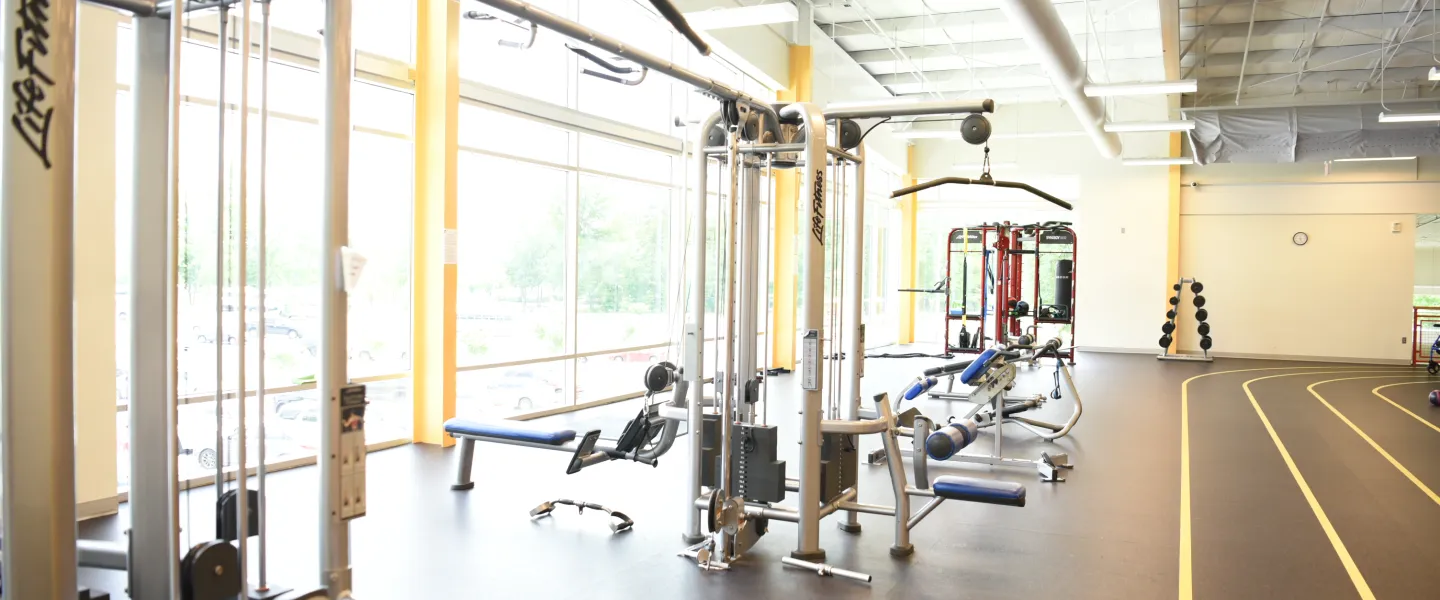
x=952 y=438
x=920 y=387
x=981 y=363
x=970 y=489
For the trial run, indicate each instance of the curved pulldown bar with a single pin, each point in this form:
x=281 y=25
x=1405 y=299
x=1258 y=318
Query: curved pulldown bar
x=609 y=66
x=476 y=15
x=981 y=181
x=576 y=31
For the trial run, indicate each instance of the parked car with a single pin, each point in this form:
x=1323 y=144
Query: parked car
x=273 y=326
x=645 y=356
x=525 y=388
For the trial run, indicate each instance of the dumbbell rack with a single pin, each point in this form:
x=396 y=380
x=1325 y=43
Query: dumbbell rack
x=1173 y=318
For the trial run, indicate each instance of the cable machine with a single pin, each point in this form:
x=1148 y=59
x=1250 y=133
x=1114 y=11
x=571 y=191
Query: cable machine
x=36 y=358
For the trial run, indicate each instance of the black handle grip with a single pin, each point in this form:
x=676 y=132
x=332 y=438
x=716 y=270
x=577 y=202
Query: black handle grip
x=678 y=21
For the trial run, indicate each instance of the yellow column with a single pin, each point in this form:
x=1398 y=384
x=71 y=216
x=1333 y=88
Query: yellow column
x=787 y=195
x=1172 y=257
x=907 y=252
x=437 y=108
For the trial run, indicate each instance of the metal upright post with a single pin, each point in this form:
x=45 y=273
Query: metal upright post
x=242 y=303
x=263 y=585
x=337 y=68
x=812 y=371
x=751 y=303
x=695 y=334
x=154 y=534
x=224 y=51
x=727 y=373
x=37 y=185
x=851 y=301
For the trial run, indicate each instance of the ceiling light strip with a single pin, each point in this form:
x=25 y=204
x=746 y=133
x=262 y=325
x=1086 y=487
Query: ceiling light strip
x=1134 y=126
x=1141 y=88
x=1159 y=161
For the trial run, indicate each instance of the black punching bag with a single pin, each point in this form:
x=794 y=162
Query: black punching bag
x=1063 y=268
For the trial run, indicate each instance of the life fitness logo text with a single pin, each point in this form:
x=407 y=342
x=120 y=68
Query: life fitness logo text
x=817 y=216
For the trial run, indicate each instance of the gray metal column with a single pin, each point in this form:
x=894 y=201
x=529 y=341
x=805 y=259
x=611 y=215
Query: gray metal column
x=37 y=184
x=852 y=299
x=338 y=68
x=752 y=300
x=812 y=319
x=154 y=532
x=694 y=350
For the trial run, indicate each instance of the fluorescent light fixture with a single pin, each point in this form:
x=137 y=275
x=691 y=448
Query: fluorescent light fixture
x=1158 y=161
x=1434 y=73
x=993 y=165
x=1377 y=158
x=744 y=16
x=954 y=134
x=1140 y=88
x=1409 y=117
x=1133 y=126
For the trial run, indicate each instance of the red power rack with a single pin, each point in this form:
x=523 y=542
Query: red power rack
x=995 y=256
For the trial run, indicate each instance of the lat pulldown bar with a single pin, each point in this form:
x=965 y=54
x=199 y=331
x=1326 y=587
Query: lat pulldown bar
x=980 y=181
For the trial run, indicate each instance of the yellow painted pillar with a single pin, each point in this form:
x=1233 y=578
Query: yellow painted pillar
x=437 y=110
x=787 y=195
x=1172 y=257
x=906 y=332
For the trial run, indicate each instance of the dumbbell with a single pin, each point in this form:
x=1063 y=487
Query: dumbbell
x=1174 y=301
x=1199 y=301
x=1205 y=343
x=1204 y=329
x=1168 y=328
x=1177 y=287
x=1196 y=287
x=1165 y=341
x=1201 y=315
x=1435 y=398
x=1170 y=314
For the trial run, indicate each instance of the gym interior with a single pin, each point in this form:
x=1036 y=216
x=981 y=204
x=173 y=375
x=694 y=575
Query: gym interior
x=543 y=298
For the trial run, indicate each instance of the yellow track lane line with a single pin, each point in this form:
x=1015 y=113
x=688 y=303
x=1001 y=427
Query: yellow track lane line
x=1419 y=418
x=1186 y=579
x=1373 y=444
x=1351 y=568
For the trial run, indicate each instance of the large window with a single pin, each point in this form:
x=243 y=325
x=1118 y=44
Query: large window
x=381 y=194
x=510 y=304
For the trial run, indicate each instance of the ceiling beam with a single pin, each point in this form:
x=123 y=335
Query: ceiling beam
x=1072 y=14
x=1129 y=44
x=1374 y=22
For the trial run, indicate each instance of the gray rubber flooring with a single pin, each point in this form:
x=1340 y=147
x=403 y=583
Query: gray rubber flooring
x=1113 y=530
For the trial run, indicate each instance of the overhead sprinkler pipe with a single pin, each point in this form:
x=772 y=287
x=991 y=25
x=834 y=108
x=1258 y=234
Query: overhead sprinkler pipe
x=1042 y=30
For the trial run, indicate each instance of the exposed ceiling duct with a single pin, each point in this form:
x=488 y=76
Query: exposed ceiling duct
x=1039 y=25
x=1307 y=134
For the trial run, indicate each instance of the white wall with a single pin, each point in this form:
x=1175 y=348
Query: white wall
x=1120 y=214
x=1345 y=294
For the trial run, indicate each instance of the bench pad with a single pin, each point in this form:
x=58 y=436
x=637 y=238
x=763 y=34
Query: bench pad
x=988 y=491
x=517 y=431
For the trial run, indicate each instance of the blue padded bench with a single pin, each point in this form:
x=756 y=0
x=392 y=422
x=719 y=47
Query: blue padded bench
x=468 y=431
x=987 y=491
x=513 y=431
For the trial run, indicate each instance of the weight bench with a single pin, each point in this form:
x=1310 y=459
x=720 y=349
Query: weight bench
x=466 y=432
x=985 y=491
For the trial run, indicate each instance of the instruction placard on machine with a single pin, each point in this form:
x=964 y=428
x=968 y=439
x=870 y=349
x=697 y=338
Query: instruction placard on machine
x=810 y=360
x=352 y=451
